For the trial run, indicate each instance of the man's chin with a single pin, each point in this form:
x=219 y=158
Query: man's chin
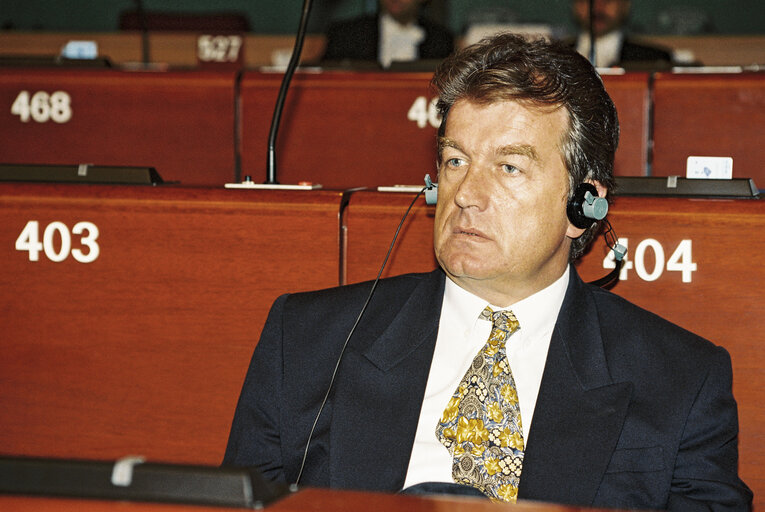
x=467 y=271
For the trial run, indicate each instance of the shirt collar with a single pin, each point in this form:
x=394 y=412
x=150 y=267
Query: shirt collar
x=535 y=313
x=461 y=306
x=539 y=312
x=411 y=30
x=608 y=47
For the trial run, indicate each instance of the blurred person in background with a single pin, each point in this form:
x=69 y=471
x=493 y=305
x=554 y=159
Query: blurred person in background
x=613 y=45
x=397 y=33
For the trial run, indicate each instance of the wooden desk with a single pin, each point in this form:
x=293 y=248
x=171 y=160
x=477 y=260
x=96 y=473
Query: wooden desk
x=341 y=129
x=630 y=93
x=144 y=350
x=179 y=48
x=370 y=221
x=723 y=301
x=710 y=115
x=181 y=123
x=372 y=128
x=305 y=500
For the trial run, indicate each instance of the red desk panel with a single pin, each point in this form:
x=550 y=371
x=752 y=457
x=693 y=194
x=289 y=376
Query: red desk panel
x=710 y=115
x=144 y=350
x=630 y=93
x=370 y=128
x=723 y=301
x=303 y=501
x=352 y=124
x=181 y=123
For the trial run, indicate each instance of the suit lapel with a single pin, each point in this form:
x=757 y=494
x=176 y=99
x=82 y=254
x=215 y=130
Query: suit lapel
x=380 y=386
x=579 y=412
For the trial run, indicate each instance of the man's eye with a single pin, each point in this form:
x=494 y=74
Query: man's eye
x=454 y=162
x=510 y=169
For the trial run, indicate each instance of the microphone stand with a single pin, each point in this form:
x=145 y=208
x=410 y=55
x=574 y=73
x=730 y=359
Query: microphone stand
x=141 y=13
x=271 y=180
x=294 y=61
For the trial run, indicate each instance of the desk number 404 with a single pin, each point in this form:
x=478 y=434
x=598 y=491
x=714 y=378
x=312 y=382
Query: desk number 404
x=57 y=241
x=681 y=260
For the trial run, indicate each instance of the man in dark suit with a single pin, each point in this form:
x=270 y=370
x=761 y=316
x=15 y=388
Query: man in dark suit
x=577 y=396
x=398 y=33
x=614 y=47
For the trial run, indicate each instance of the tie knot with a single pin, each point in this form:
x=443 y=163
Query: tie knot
x=503 y=320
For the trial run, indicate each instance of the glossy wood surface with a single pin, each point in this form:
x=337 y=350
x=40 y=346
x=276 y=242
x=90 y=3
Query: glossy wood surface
x=356 y=125
x=179 y=48
x=305 y=500
x=724 y=301
x=340 y=129
x=144 y=350
x=630 y=93
x=710 y=115
x=181 y=123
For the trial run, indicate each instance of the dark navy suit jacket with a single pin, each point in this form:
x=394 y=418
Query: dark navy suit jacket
x=633 y=412
x=358 y=39
x=642 y=56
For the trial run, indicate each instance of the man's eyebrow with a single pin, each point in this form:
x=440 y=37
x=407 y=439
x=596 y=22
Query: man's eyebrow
x=519 y=149
x=446 y=142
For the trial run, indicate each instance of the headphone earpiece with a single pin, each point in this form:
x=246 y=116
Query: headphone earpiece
x=431 y=190
x=585 y=207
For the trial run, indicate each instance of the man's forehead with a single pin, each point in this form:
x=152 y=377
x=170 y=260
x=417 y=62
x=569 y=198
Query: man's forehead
x=497 y=99
x=543 y=110
x=453 y=139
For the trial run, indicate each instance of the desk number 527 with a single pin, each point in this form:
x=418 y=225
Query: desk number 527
x=29 y=240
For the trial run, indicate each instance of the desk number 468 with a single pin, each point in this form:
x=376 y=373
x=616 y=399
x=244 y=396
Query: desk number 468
x=29 y=240
x=42 y=107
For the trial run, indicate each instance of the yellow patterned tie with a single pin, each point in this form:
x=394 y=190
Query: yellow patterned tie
x=481 y=425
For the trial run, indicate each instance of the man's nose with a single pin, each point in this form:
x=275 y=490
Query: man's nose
x=473 y=189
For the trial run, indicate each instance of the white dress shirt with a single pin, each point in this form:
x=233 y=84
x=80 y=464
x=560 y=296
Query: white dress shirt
x=608 y=48
x=461 y=334
x=398 y=42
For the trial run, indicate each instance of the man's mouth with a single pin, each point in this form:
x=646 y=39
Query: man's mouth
x=469 y=232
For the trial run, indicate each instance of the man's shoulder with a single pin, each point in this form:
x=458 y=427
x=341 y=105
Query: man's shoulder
x=633 y=50
x=353 y=39
x=332 y=312
x=434 y=28
x=439 y=41
x=397 y=285
x=639 y=332
x=353 y=25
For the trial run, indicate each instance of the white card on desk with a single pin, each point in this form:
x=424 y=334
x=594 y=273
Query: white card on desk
x=709 y=167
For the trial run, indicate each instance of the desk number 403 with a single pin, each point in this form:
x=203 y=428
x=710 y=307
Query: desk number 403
x=42 y=107
x=59 y=250
x=681 y=260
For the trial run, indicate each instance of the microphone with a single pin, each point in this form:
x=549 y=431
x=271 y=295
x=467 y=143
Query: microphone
x=609 y=280
x=271 y=179
x=275 y=121
x=144 y=24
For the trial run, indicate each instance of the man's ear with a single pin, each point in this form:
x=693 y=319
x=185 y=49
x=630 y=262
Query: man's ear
x=575 y=232
x=602 y=191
